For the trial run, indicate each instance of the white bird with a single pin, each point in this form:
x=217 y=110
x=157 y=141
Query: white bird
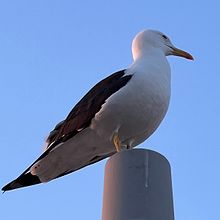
x=121 y=111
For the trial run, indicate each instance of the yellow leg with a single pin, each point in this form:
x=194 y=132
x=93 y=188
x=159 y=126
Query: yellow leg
x=117 y=142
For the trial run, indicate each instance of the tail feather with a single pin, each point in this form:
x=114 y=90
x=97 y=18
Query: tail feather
x=26 y=179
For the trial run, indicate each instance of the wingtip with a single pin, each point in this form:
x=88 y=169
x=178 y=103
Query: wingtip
x=5 y=188
x=22 y=181
x=12 y=185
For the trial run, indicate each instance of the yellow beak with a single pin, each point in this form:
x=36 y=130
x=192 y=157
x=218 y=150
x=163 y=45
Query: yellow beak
x=181 y=53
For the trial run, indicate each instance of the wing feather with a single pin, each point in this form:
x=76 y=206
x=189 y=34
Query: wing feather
x=84 y=111
x=78 y=119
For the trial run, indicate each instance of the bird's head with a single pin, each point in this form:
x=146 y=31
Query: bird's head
x=148 y=39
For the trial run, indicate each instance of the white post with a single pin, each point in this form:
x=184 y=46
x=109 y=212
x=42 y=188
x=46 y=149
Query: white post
x=137 y=186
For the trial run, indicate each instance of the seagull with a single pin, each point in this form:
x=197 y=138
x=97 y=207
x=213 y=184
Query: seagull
x=118 y=113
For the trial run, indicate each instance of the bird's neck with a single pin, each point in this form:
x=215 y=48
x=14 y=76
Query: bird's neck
x=147 y=52
x=150 y=58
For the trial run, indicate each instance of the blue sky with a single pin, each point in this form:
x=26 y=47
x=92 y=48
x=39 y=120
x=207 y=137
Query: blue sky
x=52 y=52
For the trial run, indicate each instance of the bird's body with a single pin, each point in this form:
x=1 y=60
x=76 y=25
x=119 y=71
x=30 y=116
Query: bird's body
x=127 y=107
x=130 y=112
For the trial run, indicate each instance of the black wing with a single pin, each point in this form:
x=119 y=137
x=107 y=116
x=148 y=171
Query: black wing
x=78 y=119
x=84 y=111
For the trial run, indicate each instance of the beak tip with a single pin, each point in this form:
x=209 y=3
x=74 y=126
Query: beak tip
x=190 y=57
x=181 y=53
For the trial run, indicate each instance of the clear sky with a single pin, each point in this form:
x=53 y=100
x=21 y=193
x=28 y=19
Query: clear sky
x=52 y=52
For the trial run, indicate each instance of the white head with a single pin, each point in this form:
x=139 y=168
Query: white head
x=150 y=39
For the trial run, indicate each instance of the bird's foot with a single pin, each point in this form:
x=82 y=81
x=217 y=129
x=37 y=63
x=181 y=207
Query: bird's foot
x=117 y=142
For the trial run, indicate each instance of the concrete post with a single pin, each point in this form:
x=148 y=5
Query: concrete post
x=137 y=186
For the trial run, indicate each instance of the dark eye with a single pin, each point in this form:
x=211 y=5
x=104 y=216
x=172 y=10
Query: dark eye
x=164 y=37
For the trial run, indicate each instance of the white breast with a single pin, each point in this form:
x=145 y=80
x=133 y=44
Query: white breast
x=136 y=110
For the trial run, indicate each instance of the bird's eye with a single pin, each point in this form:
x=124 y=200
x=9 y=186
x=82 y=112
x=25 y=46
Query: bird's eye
x=164 y=37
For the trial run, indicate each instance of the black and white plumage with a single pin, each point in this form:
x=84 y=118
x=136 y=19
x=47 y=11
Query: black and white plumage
x=120 y=111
